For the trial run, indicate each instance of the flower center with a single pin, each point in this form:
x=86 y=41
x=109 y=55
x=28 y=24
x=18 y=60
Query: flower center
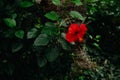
x=76 y=32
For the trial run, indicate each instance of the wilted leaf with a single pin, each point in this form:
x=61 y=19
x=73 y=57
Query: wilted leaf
x=19 y=34
x=38 y=1
x=52 y=15
x=76 y=15
x=10 y=22
x=41 y=40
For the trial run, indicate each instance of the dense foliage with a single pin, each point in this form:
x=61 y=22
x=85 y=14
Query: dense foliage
x=104 y=33
x=32 y=44
x=105 y=23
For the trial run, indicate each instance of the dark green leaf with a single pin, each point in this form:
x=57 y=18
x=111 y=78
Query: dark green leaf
x=49 y=24
x=56 y=2
x=26 y=4
x=41 y=62
x=52 y=54
x=16 y=47
x=14 y=16
x=77 y=2
x=52 y=15
x=41 y=40
x=10 y=22
x=19 y=34
x=50 y=30
x=32 y=33
x=76 y=15
x=64 y=44
x=8 y=33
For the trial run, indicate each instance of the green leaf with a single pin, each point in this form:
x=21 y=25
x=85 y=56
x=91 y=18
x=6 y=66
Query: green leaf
x=56 y=2
x=38 y=26
x=64 y=44
x=49 y=24
x=13 y=16
x=19 y=34
x=97 y=36
x=81 y=77
x=50 y=30
x=26 y=4
x=97 y=46
x=10 y=22
x=16 y=47
x=76 y=15
x=52 y=15
x=52 y=54
x=41 y=62
x=77 y=2
x=41 y=40
x=32 y=33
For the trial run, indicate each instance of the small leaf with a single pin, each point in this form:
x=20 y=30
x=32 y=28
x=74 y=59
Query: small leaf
x=32 y=33
x=77 y=2
x=10 y=22
x=98 y=37
x=76 y=15
x=52 y=54
x=14 y=16
x=19 y=34
x=96 y=45
x=56 y=2
x=41 y=62
x=49 y=24
x=16 y=47
x=38 y=26
x=41 y=40
x=26 y=4
x=52 y=15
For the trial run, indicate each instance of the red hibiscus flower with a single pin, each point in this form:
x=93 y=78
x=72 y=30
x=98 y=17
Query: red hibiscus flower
x=76 y=32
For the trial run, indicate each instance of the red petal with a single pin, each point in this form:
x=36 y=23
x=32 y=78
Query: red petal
x=80 y=35
x=70 y=37
x=83 y=28
x=73 y=28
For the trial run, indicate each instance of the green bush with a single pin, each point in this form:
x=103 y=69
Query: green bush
x=32 y=44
